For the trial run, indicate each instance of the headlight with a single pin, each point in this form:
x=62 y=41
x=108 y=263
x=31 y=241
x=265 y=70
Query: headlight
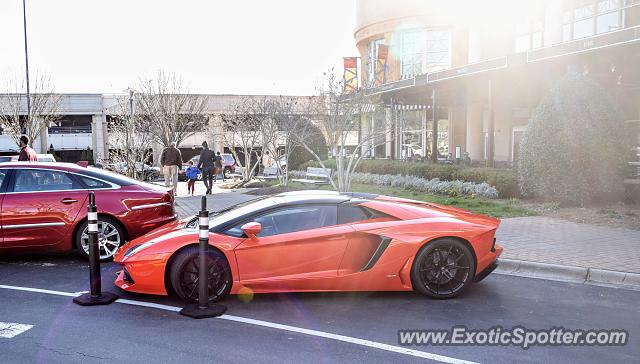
x=137 y=248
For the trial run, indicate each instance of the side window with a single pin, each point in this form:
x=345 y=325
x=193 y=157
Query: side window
x=94 y=183
x=291 y=219
x=2 y=175
x=38 y=180
x=351 y=214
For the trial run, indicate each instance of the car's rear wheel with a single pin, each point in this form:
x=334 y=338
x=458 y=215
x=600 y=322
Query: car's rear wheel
x=443 y=268
x=184 y=275
x=110 y=237
x=227 y=170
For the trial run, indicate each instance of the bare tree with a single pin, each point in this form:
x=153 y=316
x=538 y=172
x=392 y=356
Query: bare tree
x=280 y=121
x=44 y=108
x=174 y=113
x=130 y=138
x=243 y=129
x=337 y=115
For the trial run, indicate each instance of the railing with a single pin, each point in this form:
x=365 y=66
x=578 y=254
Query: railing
x=70 y=130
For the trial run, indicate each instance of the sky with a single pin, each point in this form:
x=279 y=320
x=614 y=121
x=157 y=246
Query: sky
x=216 y=46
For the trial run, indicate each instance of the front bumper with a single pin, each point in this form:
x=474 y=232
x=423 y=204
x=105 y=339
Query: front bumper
x=142 y=277
x=482 y=275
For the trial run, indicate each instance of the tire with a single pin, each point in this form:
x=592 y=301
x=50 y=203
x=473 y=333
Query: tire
x=227 y=171
x=184 y=272
x=108 y=227
x=443 y=268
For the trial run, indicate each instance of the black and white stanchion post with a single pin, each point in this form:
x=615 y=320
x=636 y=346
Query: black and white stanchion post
x=95 y=296
x=203 y=309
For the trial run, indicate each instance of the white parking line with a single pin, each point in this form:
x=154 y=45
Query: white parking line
x=273 y=325
x=9 y=330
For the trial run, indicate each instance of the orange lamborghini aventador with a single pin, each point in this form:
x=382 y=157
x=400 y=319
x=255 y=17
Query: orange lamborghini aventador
x=317 y=241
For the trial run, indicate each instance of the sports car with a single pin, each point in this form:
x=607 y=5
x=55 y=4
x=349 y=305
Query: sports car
x=317 y=241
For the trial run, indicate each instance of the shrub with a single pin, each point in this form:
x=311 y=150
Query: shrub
x=504 y=180
x=573 y=150
x=419 y=184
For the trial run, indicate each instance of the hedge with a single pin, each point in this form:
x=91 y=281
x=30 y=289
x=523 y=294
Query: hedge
x=503 y=179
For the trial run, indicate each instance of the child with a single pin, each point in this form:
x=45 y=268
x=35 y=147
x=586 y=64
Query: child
x=192 y=176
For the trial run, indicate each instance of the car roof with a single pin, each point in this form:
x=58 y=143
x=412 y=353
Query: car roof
x=52 y=165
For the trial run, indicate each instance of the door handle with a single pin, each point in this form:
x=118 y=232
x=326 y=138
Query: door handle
x=337 y=237
x=68 y=200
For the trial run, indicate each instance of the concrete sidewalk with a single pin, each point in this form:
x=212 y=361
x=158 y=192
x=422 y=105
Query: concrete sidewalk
x=554 y=241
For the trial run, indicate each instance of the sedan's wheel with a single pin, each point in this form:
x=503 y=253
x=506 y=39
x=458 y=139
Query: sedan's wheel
x=110 y=237
x=443 y=268
x=184 y=275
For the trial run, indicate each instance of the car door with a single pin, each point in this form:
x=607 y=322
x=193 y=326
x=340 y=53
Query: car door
x=296 y=242
x=39 y=207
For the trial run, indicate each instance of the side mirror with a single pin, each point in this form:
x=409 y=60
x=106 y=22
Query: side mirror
x=252 y=229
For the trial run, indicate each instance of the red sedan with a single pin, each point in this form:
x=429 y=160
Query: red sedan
x=44 y=208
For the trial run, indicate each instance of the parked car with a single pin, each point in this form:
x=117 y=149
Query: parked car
x=46 y=158
x=9 y=158
x=228 y=163
x=41 y=158
x=44 y=207
x=309 y=241
x=150 y=173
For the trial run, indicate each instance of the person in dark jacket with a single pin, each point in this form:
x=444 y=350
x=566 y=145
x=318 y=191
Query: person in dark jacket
x=171 y=160
x=27 y=154
x=207 y=166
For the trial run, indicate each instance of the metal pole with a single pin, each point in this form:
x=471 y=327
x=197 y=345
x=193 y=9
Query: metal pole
x=203 y=294
x=203 y=309
x=26 y=56
x=434 y=132
x=95 y=280
x=95 y=296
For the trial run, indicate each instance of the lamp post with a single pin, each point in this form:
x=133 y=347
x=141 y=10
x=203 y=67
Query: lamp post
x=26 y=56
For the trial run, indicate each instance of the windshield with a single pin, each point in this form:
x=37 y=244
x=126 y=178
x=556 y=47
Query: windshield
x=223 y=216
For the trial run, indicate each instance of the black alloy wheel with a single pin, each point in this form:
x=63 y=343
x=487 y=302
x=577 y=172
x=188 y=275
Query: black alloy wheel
x=184 y=275
x=443 y=269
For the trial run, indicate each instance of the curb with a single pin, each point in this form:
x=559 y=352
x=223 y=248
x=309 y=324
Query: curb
x=564 y=273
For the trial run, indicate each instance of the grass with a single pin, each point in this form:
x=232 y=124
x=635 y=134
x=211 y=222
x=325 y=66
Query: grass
x=495 y=208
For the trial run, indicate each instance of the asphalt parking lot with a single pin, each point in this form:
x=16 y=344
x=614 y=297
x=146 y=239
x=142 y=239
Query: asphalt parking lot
x=347 y=327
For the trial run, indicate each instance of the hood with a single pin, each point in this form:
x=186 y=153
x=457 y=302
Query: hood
x=163 y=233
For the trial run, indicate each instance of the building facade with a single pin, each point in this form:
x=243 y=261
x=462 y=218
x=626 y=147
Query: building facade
x=463 y=77
x=84 y=123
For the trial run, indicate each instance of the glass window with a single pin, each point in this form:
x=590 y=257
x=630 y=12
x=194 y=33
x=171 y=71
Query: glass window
x=529 y=34
x=291 y=219
x=608 y=22
x=566 y=32
x=372 y=58
x=94 y=183
x=351 y=214
x=2 y=174
x=38 y=180
x=583 y=28
x=438 y=50
x=413 y=43
x=523 y=43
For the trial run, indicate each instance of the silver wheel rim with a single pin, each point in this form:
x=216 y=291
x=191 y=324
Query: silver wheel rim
x=108 y=239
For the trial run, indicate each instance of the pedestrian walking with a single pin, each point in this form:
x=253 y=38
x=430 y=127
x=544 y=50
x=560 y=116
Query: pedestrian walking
x=207 y=165
x=219 y=169
x=27 y=154
x=171 y=160
x=267 y=160
x=192 y=177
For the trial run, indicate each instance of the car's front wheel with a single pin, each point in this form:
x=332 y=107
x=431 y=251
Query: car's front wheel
x=110 y=237
x=443 y=268
x=184 y=275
